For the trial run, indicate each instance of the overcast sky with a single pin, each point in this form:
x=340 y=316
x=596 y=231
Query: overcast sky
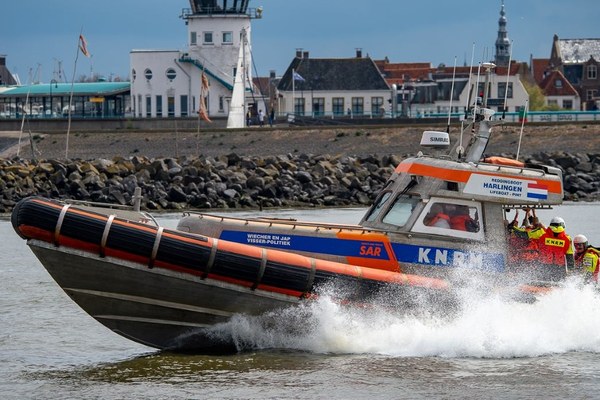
x=36 y=34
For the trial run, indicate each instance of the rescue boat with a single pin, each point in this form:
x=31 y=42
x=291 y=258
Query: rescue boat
x=438 y=222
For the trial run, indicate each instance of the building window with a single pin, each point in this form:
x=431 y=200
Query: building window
x=171 y=106
x=227 y=37
x=337 y=106
x=139 y=106
x=552 y=102
x=299 y=106
x=133 y=74
x=591 y=93
x=318 y=106
x=184 y=105
x=358 y=106
x=208 y=38
x=558 y=83
x=193 y=38
x=148 y=74
x=502 y=90
x=221 y=104
x=148 y=106
x=377 y=109
x=159 y=108
x=592 y=72
x=568 y=104
x=171 y=74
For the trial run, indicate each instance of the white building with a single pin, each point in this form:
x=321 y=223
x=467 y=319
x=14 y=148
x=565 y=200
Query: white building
x=167 y=83
x=333 y=87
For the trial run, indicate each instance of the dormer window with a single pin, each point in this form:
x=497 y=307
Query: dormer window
x=558 y=83
x=592 y=72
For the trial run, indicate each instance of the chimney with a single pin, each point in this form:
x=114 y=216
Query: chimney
x=2 y=60
x=305 y=54
x=299 y=53
x=272 y=74
x=358 y=53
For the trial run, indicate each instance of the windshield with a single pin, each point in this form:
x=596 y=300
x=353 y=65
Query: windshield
x=401 y=210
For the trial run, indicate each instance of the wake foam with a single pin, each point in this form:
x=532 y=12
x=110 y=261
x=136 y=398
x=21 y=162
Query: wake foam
x=485 y=325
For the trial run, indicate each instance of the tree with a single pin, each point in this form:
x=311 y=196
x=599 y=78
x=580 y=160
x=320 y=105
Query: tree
x=537 y=100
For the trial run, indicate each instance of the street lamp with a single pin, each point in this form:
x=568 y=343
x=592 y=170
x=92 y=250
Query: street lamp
x=56 y=86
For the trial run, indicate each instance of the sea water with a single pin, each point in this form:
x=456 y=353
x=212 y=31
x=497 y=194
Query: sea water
x=491 y=348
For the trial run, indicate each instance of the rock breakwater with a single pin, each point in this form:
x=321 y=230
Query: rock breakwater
x=233 y=181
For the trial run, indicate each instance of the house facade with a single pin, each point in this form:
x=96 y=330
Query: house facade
x=333 y=87
x=422 y=90
x=578 y=60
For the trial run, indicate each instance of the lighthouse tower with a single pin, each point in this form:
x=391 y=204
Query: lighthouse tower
x=502 y=42
x=168 y=83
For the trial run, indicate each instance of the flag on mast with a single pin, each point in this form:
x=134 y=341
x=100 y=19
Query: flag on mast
x=83 y=46
x=297 y=76
x=203 y=94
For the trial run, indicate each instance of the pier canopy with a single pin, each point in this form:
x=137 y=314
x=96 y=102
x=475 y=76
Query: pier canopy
x=219 y=6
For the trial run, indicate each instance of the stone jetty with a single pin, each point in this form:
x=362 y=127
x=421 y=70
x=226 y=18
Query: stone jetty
x=234 y=181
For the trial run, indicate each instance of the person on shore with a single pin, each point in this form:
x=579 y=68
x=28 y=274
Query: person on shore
x=248 y=118
x=261 y=118
x=586 y=258
x=271 y=117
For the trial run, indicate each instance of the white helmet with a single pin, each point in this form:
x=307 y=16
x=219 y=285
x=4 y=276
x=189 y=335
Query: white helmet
x=580 y=239
x=557 y=221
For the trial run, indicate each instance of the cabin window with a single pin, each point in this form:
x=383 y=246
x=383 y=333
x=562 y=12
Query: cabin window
x=148 y=74
x=378 y=206
x=193 y=38
x=208 y=38
x=459 y=218
x=401 y=210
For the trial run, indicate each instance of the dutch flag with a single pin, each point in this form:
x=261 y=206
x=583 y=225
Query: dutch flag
x=537 y=191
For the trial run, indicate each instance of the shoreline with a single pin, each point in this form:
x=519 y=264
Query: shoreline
x=257 y=168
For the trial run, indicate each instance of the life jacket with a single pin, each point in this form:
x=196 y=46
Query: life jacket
x=438 y=217
x=461 y=222
x=554 y=244
x=589 y=261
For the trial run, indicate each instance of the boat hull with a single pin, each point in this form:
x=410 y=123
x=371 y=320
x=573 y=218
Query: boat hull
x=158 y=308
x=174 y=290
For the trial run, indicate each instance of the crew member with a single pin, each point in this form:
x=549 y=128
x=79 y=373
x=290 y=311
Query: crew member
x=556 y=251
x=462 y=221
x=437 y=217
x=586 y=258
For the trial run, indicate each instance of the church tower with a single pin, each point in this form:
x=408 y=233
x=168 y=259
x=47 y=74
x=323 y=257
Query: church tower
x=502 y=42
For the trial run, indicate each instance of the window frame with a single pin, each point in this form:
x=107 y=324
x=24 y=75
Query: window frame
x=224 y=34
x=420 y=227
